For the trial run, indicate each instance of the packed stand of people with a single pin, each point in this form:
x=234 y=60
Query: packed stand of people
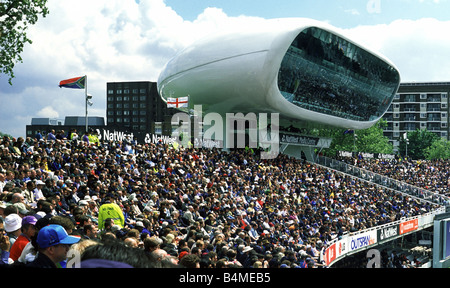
x=432 y=175
x=125 y=204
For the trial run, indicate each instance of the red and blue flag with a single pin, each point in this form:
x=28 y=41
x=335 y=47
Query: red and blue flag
x=74 y=83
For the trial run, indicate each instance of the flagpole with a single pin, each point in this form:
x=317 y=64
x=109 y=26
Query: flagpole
x=86 y=100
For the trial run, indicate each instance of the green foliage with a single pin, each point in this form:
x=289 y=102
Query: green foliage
x=15 y=18
x=369 y=140
x=418 y=142
x=440 y=149
x=7 y=135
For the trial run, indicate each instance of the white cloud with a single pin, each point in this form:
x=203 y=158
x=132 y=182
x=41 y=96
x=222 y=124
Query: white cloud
x=121 y=40
x=47 y=112
x=417 y=48
x=352 y=11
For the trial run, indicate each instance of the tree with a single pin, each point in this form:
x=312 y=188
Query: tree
x=15 y=18
x=370 y=140
x=416 y=143
x=440 y=149
x=4 y=134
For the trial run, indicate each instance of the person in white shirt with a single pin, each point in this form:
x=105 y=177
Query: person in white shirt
x=2 y=182
x=38 y=195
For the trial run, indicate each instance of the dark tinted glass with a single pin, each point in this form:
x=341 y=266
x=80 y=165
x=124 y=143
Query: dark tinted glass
x=325 y=73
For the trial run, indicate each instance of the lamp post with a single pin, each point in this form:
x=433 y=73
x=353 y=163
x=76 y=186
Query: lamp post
x=405 y=137
x=88 y=102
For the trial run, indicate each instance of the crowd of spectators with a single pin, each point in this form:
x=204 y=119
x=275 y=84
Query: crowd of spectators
x=432 y=175
x=153 y=205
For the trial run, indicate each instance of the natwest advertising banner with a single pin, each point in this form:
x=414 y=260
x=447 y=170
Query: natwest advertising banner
x=386 y=233
x=409 y=226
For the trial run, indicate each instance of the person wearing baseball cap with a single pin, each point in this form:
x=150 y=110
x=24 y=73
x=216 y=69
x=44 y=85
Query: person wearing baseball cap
x=53 y=245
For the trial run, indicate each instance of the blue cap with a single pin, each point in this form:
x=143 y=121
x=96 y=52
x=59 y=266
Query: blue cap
x=54 y=234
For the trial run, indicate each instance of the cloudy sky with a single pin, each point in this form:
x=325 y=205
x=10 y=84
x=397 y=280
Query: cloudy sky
x=131 y=40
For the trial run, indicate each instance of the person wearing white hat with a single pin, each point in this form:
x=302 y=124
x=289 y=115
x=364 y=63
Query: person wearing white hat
x=13 y=223
x=38 y=195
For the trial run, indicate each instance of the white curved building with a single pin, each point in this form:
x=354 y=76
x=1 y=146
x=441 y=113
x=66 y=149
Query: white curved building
x=300 y=68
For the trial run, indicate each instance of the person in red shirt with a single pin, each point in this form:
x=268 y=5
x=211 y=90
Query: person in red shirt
x=28 y=231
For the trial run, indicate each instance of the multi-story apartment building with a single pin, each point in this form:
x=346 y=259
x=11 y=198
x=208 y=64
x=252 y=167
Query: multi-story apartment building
x=137 y=107
x=419 y=106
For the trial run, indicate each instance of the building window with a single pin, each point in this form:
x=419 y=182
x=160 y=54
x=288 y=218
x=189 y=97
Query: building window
x=119 y=98
x=143 y=98
x=126 y=112
x=135 y=98
x=143 y=91
x=119 y=91
x=433 y=107
x=410 y=126
x=434 y=98
x=110 y=91
x=119 y=105
x=410 y=98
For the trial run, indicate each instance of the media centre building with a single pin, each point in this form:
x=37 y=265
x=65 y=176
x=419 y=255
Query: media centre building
x=302 y=69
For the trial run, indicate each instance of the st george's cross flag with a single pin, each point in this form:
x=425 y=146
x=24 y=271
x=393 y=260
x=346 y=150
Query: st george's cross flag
x=177 y=102
x=74 y=83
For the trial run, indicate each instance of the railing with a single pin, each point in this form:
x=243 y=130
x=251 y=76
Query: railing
x=384 y=181
x=350 y=243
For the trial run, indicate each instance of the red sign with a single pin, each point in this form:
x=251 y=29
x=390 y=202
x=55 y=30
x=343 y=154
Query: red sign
x=409 y=226
x=330 y=254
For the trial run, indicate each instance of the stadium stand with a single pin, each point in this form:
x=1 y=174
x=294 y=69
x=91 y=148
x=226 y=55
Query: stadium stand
x=225 y=208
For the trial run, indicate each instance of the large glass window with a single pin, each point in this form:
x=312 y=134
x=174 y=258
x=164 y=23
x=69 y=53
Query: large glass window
x=325 y=73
